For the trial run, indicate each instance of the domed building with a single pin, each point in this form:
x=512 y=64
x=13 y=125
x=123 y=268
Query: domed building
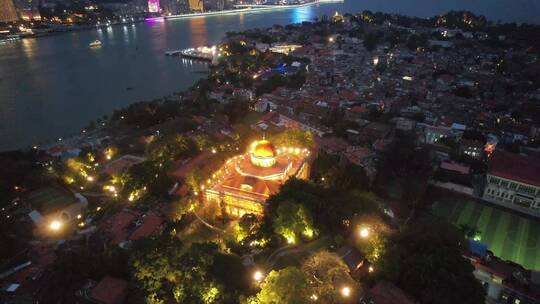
x=246 y=181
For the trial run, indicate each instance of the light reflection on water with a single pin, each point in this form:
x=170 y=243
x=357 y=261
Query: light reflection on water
x=53 y=86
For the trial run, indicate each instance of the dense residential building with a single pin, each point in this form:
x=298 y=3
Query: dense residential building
x=8 y=13
x=514 y=180
x=246 y=181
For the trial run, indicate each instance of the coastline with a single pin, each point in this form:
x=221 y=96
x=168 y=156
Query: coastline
x=247 y=10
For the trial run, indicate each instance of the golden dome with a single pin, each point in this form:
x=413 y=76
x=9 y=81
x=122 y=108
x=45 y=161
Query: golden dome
x=264 y=149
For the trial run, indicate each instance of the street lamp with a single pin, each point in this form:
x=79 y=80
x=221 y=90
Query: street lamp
x=364 y=232
x=258 y=276
x=346 y=291
x=55 y=225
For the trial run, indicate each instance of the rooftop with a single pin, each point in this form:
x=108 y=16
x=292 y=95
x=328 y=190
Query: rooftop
x=110 y=290
x=515 y=167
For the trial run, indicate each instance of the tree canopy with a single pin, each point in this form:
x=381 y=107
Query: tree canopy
x=426 y=260
x=286 y=286
x=328 y=274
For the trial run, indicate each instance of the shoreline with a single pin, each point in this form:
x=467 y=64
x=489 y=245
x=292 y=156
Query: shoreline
x=247 y=10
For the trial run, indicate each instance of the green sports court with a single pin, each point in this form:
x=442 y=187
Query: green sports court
x=507 y=234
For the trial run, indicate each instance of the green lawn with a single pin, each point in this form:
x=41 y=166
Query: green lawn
x=508 y=235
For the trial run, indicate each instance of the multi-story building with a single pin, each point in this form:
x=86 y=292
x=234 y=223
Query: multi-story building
x=196 y=5
x=246 y=181
x=28 y=9
x=8 y=13
x=514 y=181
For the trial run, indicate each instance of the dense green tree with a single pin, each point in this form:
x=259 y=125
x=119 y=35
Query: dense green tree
x=329 y=208
x=371 y=41
x=328 y=274
x=293 y=222
x=148 y=177
x=286 y=286
x=426 y=260
x=171 y=147
x=293 y=137
x=168 y=271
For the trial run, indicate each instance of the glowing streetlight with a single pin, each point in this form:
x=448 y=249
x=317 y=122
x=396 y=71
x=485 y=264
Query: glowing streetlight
x=346 y=291
x=258 y=276
x=55 y=225
x=364 y=233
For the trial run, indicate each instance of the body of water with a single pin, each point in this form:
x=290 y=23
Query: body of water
x=53 y=86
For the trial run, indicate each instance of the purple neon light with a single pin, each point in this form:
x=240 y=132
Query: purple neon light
x=153 y=6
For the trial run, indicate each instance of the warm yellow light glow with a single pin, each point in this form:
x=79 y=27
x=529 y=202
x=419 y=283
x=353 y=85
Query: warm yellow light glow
x=346 y=291
x=331 y=39
x=90 y=178
x=290 y=240
x=79 y=216
x=98 y=208
x=258 y=276
x=314 y=297
x=371 y=269
x=364 y=233
x=55 y=225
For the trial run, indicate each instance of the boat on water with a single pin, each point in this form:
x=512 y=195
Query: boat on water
x=95 y=43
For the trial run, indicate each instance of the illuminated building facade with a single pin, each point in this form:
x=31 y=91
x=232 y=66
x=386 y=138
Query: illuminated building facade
x=8 y=13
x=246 y=181
x=153 y=6
x=196 y=5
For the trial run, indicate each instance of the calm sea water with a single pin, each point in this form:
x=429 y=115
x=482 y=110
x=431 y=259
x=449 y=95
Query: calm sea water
x=53 y=86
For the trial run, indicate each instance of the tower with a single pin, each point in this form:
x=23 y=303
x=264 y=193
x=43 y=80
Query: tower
x=7 y=11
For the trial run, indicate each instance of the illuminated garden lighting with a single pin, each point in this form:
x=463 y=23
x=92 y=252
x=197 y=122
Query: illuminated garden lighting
x=364 y=232
x=314 y=297
x=258 y=276
x=290 y=239
x=346 y=291
x=371 y=269
x=90 y=178
x=79 y=216
x=55 y=225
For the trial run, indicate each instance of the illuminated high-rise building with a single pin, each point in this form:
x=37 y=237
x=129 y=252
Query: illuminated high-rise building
x=153 y=6
x=196 y=5
x=7 y=11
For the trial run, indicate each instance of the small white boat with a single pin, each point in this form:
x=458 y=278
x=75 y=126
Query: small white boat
x=95 y=43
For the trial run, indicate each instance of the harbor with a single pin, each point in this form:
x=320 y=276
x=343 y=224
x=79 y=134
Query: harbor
x=202 y=53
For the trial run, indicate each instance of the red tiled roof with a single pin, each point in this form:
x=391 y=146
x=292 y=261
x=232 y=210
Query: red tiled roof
x=109 y=291
x=516 y=167
x=116 y=226
x=150 y=226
